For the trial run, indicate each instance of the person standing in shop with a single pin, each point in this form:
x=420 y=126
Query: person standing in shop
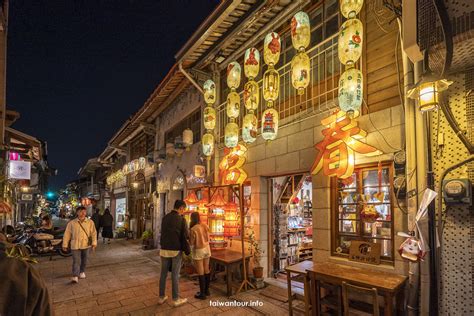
x=173 y=241
x=83 y=236
x=201 y=253
x=106 y=222
x=96 y=219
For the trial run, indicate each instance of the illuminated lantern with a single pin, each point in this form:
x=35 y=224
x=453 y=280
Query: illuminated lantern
x=426 y=92
x=208 y=145
x=209 y=118
x=251 y=63
x=300 y=31
x=271 y=85
x=249 y=128
x=216 y=219
x=272 y=48
x=350 y=91
x=230 y=167
x=350 y=41
x=251 y=95
x=233 y=75
x=209 y=92
x=231 y=224
x=270 y=124
x=350 y=8
x=300 y=68
x=191 y=199
x=233 y=105
x=231 y=135
x=187 y=138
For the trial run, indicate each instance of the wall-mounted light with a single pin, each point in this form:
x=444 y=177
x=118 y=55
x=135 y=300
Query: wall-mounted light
x=135 y=185
x=25 y=189
x=427 y=90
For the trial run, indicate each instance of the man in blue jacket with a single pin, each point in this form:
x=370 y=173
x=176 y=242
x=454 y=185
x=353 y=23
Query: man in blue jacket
x=173 y=241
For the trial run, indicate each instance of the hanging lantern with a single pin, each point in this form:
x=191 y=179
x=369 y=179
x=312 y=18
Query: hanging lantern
x=300 y=68
x=350 y=8
x=209 y=92
x=191 y=199
x=249 y=128
x=350 y=41
x=233 y=75
x=426 y=92
x=231 y=223
x=208 y=145
x=233 y=105
x=300 y=31
x=270 y=124
x=271 y=85
x=350 y=92
x=209 y=118
x=187 y=138
x=251 y=95
x=251 y=63
x=231 y=135
x=272 y=48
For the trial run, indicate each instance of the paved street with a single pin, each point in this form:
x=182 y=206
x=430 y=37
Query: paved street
x=122 y=279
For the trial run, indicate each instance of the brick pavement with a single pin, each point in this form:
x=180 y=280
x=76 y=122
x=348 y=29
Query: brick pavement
x=122 y=279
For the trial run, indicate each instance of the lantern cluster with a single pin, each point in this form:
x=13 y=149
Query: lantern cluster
x=251 y=95
x=231 y=133
x=300 y=64
x=349 y=50
x=209 y=118
x=271 y=85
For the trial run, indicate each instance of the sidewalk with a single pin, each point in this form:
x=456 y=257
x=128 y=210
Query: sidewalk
x=122 y=279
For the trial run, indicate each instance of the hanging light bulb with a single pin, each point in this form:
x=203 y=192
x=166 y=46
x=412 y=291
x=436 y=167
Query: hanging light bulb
x=249 y=128
x=300 y=65
x=351 y=91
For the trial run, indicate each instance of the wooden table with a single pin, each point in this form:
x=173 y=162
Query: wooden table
x=300 y=270
x=387 y=284
x=229 y=259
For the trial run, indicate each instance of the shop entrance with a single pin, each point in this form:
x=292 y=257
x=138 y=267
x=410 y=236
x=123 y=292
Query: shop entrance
x=291 y=221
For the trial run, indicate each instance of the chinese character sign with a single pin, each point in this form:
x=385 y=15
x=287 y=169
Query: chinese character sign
x=342 y=139
x=19 y=169
x=230 y=167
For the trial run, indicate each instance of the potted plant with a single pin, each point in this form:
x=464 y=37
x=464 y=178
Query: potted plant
x=256 y=251
x=188 y=264
x=147 y=239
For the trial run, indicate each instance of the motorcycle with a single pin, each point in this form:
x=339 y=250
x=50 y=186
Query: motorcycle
x=41 y=242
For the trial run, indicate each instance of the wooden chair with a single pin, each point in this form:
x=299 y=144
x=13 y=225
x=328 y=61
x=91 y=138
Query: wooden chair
x=356 y=306
x=331 y=301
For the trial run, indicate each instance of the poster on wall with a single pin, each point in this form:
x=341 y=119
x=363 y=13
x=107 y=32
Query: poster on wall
x=19 y=169
x=120 y=210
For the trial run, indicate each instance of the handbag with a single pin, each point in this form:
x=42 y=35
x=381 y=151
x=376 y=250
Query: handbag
x=89 y=238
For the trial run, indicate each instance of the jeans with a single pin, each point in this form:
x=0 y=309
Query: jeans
x=175 y=263
x=79 y=261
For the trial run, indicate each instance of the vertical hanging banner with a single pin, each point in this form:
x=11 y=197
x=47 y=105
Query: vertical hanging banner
x=230 y=167
x=20 y=170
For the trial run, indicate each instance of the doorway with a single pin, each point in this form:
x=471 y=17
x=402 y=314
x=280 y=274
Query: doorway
x=291 y=220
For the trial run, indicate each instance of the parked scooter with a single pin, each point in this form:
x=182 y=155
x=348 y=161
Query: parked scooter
x=41 y=242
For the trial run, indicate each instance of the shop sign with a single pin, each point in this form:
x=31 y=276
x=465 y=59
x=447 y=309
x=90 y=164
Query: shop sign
x=230 y=167
x=342 y=139
x=363 y=251
x=19 y=170
x=131 y=167
x=27 y=197
x=199 y=171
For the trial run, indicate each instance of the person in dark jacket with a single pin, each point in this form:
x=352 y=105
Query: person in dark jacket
x=22 y=290
x=173 y=241
x=96 y=219
x=106 y=222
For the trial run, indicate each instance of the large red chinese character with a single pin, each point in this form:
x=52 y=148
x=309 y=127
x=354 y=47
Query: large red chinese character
x=230 y=167
x=337 y=150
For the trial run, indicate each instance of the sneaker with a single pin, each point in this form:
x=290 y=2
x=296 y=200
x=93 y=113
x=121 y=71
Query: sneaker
x=75 y=279
x=179 y=302
x=163 y=299
x=82 y=275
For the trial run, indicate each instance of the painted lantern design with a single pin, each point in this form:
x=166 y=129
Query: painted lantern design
x=251 y=63
x=271 y=85
x=350 y=92
x=233 y=75
x=209 y=118
x=350 y=41
x=231 y=135
x=272 y=48
x=270 y=120
x=233 y=105
x=350 y=8
x=300 y=31
x=300 y=68
x=209 y=92
x=249 y=128
x=208 y=144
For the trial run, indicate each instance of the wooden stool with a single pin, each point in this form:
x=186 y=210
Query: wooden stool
x=357 y=307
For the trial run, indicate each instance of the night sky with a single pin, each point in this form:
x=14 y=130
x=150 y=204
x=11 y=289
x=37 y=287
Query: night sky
x=77 y=69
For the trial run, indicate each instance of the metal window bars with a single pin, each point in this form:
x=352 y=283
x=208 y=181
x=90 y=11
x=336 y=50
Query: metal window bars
x=319 y=97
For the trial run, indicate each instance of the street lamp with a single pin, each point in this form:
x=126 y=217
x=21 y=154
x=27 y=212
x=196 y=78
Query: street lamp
x=427 y=90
